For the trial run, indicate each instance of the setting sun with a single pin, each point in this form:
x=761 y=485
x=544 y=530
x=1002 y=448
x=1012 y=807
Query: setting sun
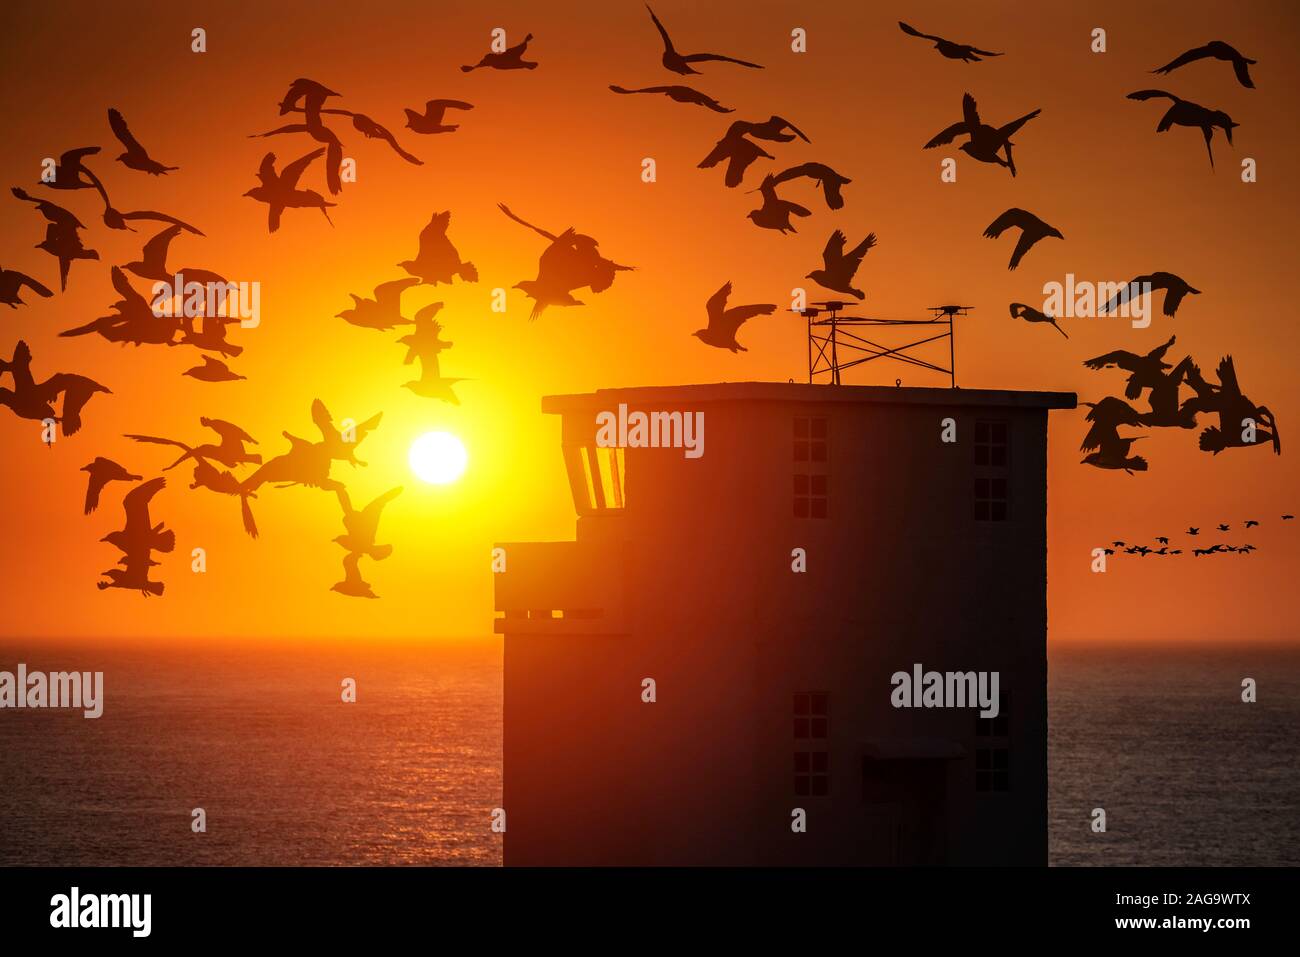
x=438 y=458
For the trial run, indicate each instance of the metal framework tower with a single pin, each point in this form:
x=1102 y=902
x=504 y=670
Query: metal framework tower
x=829 y=332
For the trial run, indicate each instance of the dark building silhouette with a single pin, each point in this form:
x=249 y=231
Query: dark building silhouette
x=773 y=688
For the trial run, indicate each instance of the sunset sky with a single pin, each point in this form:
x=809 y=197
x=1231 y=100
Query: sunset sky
x=560 y=149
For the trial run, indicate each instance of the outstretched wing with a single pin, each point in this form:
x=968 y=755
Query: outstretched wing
x=946 y=136
x=1012 y=217
x=123 y=132
x=1118 y=358
x=834 y=251
x=914 y=32
x=289 y=175
x=1197 y=53
x=717 y=305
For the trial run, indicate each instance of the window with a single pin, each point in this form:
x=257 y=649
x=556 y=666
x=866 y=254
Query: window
x=990 y=499
x=597 y=477
x=992 y=457
x=809 y=439
x=809 y=496
x=991 y=444
x=811 y=453
x=991 y=769
x=812 y=772
x=993 y=748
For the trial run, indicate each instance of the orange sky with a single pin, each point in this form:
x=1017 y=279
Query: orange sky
x=561 y=150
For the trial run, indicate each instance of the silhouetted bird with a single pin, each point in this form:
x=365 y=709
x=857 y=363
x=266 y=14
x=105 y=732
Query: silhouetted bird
x=510 y=59
x=133 y=319
x=426 y=339
x=213 y=370
x=1032 y=229
x=681 y=63
x=953 y=51
x=281 y=192
x=1145 y=371
x=1220 y=51
x=1224 y=528
x=1029 y=314
x=29 y=399
x=1162 y=540
x=1166 y=410
x=116 y=219
x=308 y=97
x=1251 y=523
x=432 y=384
x=825 y=177
x=839 y=267
x=984 y=141
x=153 y=262
x=1186 y=113
x=384 y=312
x=679 y=94
x=431 y=121
x=1233 y=409
x=437 y=260
x=1118 y=544
x=353 y=585
x=102 y=471
x=1287 y=518
x=777 y=129
x=70 y=171
x=135 y=156
x=12 y=283
x=1175 y=289
x=138 y=540
x=571 y=261
x=230 y=451
x=775 y=212
x=739 y=153
x=362 y=526
x=339 y=447
x=1112 y=451
x=371 y=129
x=724 y=322
x=1193 y=531
x=62 y=239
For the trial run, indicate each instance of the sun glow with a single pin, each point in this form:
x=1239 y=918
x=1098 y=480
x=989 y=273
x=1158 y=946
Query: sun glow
x=438 y=458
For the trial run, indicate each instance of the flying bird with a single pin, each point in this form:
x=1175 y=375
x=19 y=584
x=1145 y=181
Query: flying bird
x=775 y=212
x=739 y=153
x=102 y=471
x=280 y=191
x=426 y=339
x=1146 y=371
x=839 y=267
x=62 y=236
x=231 y=451
x=1029 y=314
x=1032 y=229
x=213 y=370
x=1175 y=289
x=29 y=399
x=1219 y=51
x=362 y=527
x=509 y=59
x=12 y=283
x=1111 y=451
x=724 y=322
x=431 y=120
x=1234 y=409
x=437 y=260
x=983 y=141
x=570 y=262
x=1186 y=113
x=949 y=49
x=679 y=94
x=135 y=157
x=1250 y=523
x=138 y=540
x=70 y=171
x=384 y=312
x=133 y=319
x=681 y=63
x=823 y=176
x=1193 y=531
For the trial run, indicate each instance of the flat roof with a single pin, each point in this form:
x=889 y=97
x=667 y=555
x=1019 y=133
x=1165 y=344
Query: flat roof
x=669 y=396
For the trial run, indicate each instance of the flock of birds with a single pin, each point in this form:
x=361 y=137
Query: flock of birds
x=569 y=263
x=1161 y=548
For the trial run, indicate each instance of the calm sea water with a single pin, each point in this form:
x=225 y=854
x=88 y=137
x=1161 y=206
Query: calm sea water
x=288 y=774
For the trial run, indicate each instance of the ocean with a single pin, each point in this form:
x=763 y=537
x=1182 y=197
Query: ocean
x=288 y=774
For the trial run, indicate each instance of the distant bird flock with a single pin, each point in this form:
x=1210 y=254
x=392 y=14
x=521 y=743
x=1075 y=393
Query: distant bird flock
x=570 y=262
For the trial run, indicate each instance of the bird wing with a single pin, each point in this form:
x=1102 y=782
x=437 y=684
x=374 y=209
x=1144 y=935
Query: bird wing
x=717 y=304
x=943 y=137
x=371 y=511
x=1120 y=358
x=860 y=250
x=668 y=43
x=733 y=319
x=227 y=430
x=123 y=132
x=969 y=112
x=506 y=209
x=834 y=251
x=1228 y=375
x=124 y=287
x=718 y=57
x=324 y=421
x=1151 y=94
x=162 y=218
x=30 y=283
x=155 y=250
x=1241 y=67
x=1012 y=217
x=136 y=505
x=368 y=426
x=289 y=175
x=914 y=32
x=389 y=294
x=435 y=234
x=1196 y=53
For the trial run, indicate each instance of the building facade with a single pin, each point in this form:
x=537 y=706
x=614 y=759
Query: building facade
x=704 y=675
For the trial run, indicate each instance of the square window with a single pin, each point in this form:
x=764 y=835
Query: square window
x=818 y=703
x=801 y=762
x=802 y=703
x=992 y=440
x=990 y=500
x=801 y=727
